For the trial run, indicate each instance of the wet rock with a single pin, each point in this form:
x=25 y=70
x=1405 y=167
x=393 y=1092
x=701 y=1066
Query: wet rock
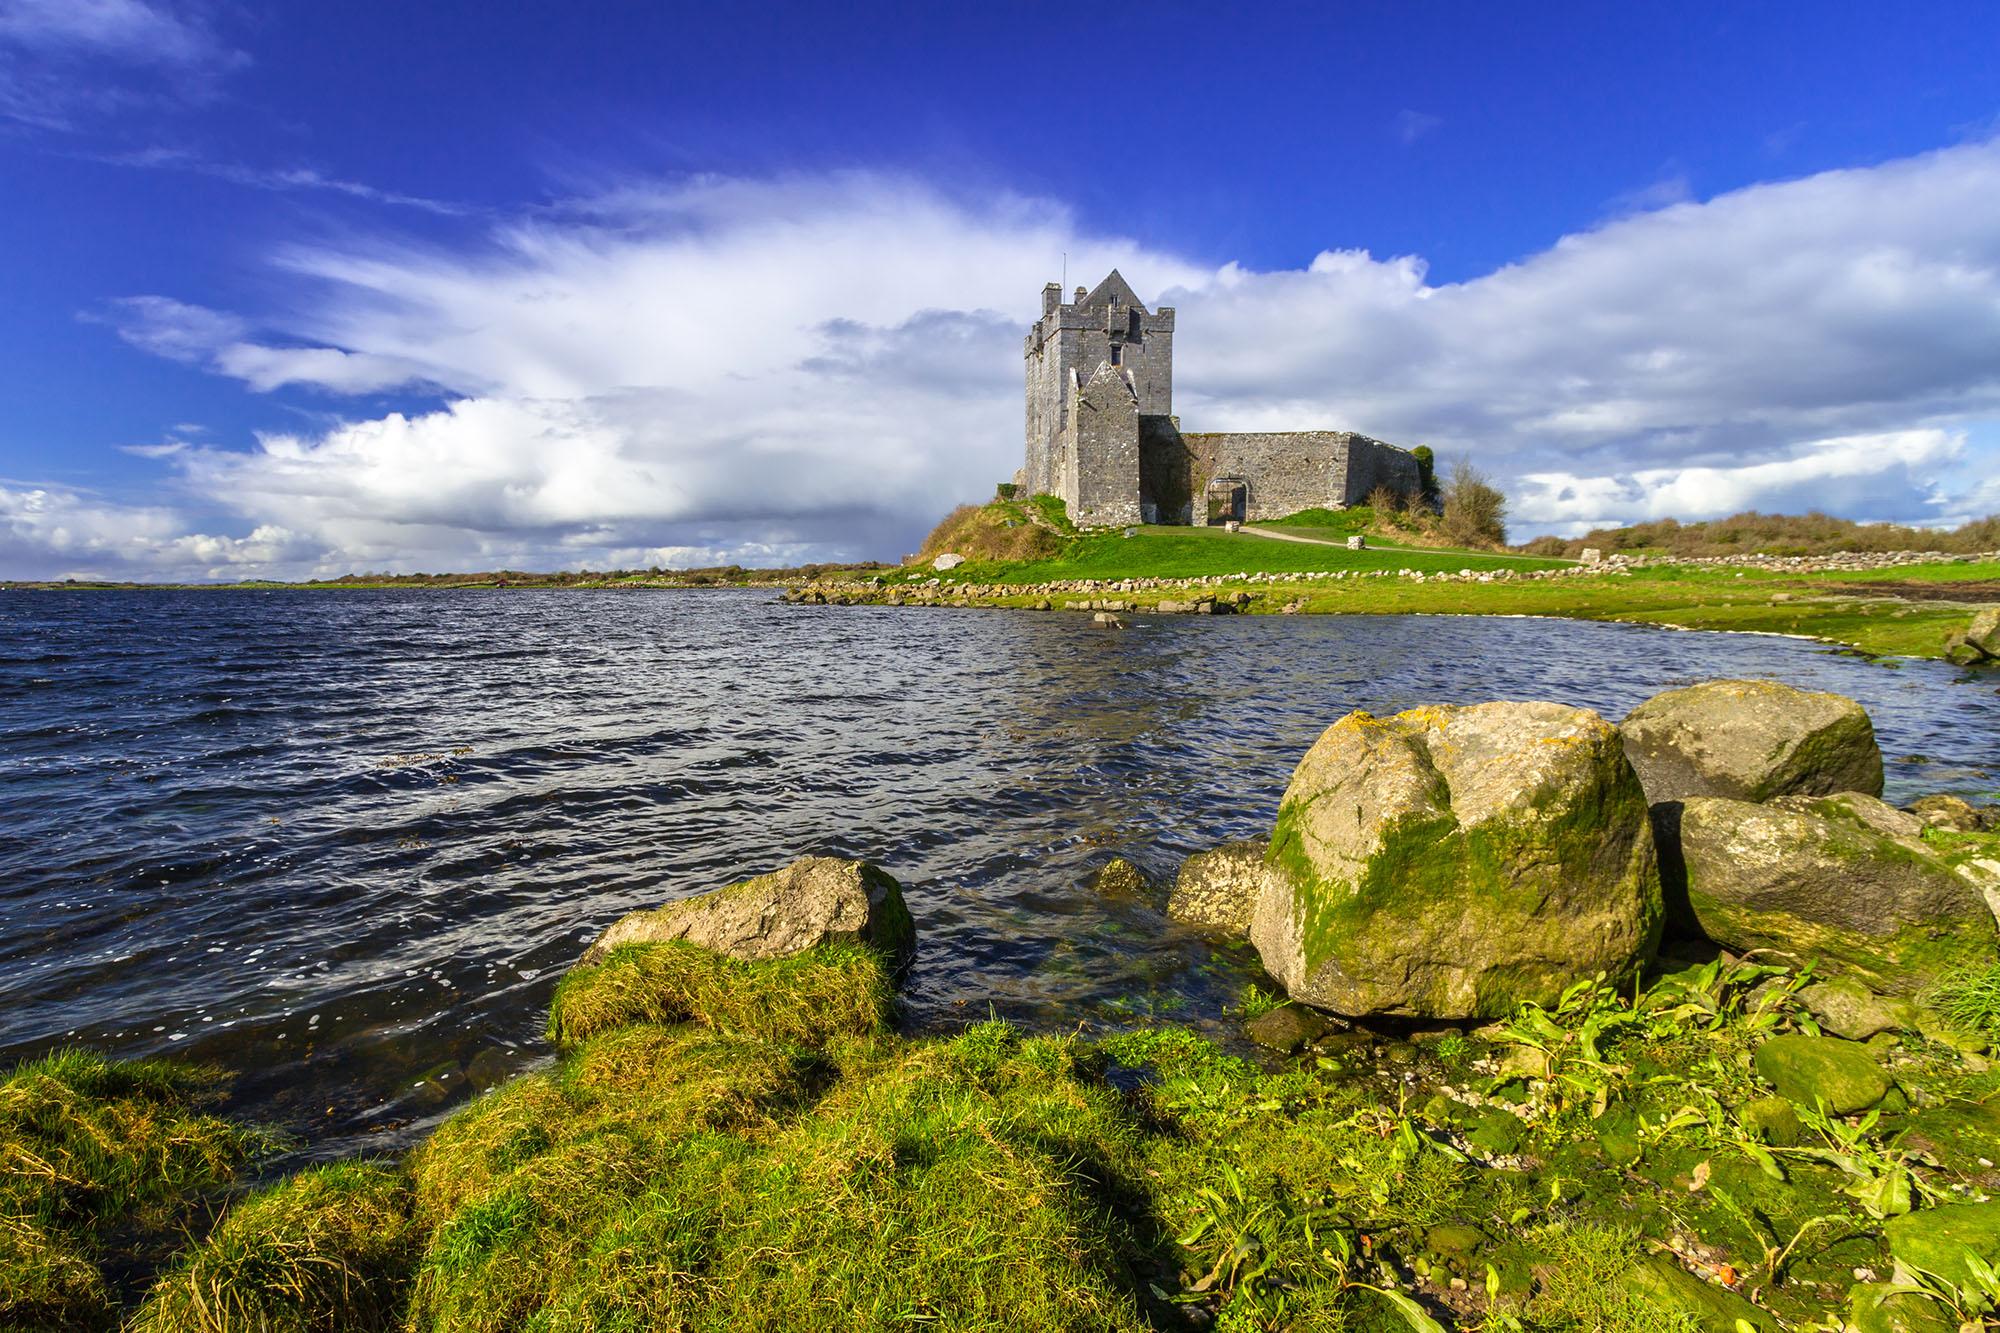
x=1946 y=812
x=1108 y=619
x=1660 y=1280
x=1751 y=740
x=1453 y=862
x=1810 y=1071
x=489 y=1069
x=1119 y=878
x=1884 y=910
x=1938 y=1240
x=1984 y=632
x=816 y=900
x=1848 y=1009
x=1221 y=886
x=1773 y=1120
x=1287 y=1028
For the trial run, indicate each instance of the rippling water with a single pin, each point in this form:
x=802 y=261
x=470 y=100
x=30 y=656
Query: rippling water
x=345 y=842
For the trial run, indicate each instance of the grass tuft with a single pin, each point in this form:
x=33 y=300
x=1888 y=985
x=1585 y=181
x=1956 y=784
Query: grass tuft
x=1969 y=998
x=328 y=1251
x=88 y=1146
x=804 y=1000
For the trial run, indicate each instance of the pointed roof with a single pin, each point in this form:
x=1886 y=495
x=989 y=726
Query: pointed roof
x=1114 y=285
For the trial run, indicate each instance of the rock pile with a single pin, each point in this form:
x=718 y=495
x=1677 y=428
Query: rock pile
x=1450 y=863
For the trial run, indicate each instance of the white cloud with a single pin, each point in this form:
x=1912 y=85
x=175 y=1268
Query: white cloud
x=55 y=533
x=49 y=49
x=820 y=366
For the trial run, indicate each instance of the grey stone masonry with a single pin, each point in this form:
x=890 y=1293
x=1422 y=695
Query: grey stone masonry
x=1102 y=436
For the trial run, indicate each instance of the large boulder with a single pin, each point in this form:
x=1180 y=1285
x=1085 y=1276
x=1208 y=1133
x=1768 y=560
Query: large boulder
x=813 y=901
x=1939 y=1240
x=1821 y=883
x=1453 y=862
x=1751 y=740
x=1221 y=886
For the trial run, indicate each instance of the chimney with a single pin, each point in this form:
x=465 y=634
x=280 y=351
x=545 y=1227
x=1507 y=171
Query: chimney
x=1051 y=298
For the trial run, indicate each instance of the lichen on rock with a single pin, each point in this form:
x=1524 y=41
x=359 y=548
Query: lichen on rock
x=1751 y=740
x=1454 y=862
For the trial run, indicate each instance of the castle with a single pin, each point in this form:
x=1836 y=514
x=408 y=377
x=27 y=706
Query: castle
x=1103 y=436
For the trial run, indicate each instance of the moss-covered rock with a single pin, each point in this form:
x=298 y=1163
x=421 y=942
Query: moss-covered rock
x=814 y=901
x=1662 y=1282
x=1885 y=910
x=1846 y=1008
x=1286 y=1028
x=1884 y=1307
x=1454 y=862
x=1938 y=1240
x=1221 y=887
x=1119 y=878
x=1750 y=740
x=1822 y=1071
x=1773 y=1120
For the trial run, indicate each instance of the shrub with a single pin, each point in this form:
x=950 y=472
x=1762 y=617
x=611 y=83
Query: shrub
x=1386 y=501
x=1006 y=490
x=1475 y=511
x=983 y=532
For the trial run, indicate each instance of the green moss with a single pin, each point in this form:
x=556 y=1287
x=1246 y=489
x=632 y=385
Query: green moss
x=1431 y=875
x=1907 y=961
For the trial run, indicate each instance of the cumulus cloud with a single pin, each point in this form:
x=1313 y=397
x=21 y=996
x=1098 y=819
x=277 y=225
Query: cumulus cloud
x=818 y=367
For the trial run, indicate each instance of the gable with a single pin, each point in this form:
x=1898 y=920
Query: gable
x=1113 y=287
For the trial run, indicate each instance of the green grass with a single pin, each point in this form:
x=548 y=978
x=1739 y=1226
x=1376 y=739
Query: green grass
x=805 y=999
x=87 y=1148
x=328 y=1251
x=1969 y=998
x=673 y=1172
x=1185 y=553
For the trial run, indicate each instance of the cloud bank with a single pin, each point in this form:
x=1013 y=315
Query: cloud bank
x=819 y=367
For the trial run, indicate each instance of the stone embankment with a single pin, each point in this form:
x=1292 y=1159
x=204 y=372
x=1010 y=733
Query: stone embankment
x=1834 y=563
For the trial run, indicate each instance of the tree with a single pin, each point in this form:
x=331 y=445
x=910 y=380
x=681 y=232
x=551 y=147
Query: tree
x=1427 y=481
x=1475 y=512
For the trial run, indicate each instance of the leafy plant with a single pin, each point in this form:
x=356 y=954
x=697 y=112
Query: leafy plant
x=1253 y=1001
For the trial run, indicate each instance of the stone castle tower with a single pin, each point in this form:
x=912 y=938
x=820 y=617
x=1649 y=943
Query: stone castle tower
x=1103 y=437
x=1097 y=369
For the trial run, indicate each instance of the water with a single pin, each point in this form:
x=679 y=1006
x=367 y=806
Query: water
x=345 y=842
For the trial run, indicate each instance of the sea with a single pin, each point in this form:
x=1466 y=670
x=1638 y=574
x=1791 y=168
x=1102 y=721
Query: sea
x=342 y=844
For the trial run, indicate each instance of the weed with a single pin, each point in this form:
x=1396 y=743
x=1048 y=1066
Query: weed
x=1253 y=1001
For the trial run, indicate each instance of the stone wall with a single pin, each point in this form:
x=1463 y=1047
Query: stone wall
x=1105 y=489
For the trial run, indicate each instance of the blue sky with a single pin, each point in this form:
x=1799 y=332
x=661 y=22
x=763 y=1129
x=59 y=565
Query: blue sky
x=306 y=289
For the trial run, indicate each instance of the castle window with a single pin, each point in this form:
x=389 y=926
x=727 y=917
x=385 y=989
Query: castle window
x=1117 y=350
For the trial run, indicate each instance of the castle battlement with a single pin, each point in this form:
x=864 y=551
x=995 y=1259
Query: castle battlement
x=1101 y=432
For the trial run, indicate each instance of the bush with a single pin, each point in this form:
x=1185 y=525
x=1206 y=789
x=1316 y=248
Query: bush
x=1475 y=511
x=1006 y=490
x=1386 y=501
x=1781 y=534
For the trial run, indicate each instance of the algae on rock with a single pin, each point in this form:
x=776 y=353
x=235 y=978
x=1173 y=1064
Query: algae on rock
x=1454 y=862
